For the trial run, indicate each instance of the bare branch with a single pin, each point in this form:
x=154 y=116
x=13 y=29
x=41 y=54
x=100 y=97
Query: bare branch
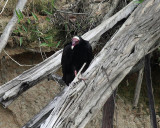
x=9 y=28
x=138 y=87
x=71 y=12
x=22 y=65
x=3 y=7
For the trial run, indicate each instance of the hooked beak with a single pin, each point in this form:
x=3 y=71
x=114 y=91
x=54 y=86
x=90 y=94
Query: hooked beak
x=73 y=44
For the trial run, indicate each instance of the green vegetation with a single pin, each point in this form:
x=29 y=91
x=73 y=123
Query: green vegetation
x=37 y=28
x=139 y=1
x=42 y=24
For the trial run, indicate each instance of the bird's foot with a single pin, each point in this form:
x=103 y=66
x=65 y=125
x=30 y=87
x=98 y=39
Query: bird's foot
x=75 y=73
x=82 y=78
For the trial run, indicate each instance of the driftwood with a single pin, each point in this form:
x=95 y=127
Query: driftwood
x=8 y=29
x=13 y=88
x=150 y=92
x=82 y=99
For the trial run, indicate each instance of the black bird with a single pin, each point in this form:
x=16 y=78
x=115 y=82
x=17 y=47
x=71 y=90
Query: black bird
x=75 y=54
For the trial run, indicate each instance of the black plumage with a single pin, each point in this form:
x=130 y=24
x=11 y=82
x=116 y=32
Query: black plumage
x=73 y=59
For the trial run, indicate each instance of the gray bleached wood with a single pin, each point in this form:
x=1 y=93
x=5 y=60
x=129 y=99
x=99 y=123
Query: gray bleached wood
x=138 y=88
x=13 y=88
x=29 y=78
x=8 y=29
x=80 y=102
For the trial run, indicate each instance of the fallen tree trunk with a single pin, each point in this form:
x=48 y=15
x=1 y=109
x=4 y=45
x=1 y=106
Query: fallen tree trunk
x=83 y=99
x=13 y=88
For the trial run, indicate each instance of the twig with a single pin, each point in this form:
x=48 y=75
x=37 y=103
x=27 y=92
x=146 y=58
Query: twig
x=40 y=48
x=120 y=98
x=74 y=13
x=3 y=7
x=16 y=61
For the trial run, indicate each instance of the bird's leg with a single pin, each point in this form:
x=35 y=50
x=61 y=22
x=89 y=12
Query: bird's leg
x=75 y=73
x=80 y=75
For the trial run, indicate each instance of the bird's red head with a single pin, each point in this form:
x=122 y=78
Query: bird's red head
x=75 y=41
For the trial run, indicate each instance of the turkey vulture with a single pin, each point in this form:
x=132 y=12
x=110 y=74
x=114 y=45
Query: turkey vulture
x=75 y=54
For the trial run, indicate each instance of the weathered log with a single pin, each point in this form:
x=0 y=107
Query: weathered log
x=13 y=88
x=29 y=78
x=83 y=99
x=8 y=29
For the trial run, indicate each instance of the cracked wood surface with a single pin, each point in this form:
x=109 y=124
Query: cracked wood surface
x=82 y=100
x=13 y=88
